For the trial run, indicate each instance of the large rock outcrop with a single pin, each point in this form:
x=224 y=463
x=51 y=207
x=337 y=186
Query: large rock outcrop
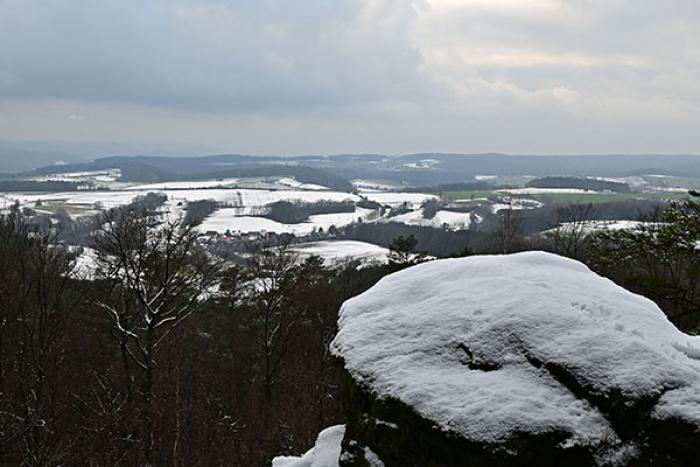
x=525 y=359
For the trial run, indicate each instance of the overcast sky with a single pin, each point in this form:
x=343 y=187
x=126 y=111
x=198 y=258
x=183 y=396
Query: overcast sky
x=338 y=76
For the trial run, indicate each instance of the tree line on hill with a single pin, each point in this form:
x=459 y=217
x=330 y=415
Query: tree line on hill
x=592 y=184
x=164 y=169
x=295 y=212
x=41 y=186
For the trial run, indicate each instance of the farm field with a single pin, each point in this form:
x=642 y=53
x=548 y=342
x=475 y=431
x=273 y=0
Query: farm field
x=338 y=251
x=571 y=196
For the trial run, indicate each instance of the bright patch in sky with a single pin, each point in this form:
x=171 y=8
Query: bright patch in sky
x=519 y=76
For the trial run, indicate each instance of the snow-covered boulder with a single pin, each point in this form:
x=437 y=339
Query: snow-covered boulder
x=526 y=358
x=325 y=453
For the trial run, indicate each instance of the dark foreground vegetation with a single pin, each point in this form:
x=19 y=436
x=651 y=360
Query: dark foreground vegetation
x=163 y=354
x=167 y=357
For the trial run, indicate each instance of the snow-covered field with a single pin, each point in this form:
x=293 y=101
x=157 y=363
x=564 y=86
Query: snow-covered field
x=241 y=208
x=516 y=204
x=453 y=220
x=99 y=176
x=396 y=199
x=230 y=219
x=635 y=181
x=285 y=183
x=85 y=199
x=422 y=164
x=293 y=183
x=249 y=198
x=185 y=185
x=244 y=198
x=544 y=191
x=372 y=186
x=593 y=226
x=342 y=250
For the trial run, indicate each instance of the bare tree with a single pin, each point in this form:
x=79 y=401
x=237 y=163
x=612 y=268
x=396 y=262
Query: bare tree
x=573 y=226
x=36 y=300
x=272 y=271
x=509 y=230
x=156 y=277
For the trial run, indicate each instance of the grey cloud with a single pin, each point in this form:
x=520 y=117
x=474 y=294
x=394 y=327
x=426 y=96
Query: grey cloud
x=206 y=55
x=364 y=75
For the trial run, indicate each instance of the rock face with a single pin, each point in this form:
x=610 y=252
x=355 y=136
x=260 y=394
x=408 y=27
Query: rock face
x=526 y=359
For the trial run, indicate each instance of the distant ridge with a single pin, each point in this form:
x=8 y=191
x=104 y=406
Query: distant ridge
x=336 y=171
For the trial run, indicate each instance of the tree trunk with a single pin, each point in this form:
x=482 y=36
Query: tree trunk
x=147 y=413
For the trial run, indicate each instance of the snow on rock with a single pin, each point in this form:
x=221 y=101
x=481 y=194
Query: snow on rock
x=325 y=453
x=491 y=347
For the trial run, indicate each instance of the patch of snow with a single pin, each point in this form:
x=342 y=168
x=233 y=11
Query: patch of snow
x=401 y=339
x=597 y=225
x=453 y=220
x=185 y=185
x=671 y=189
x=326 y=452
x=293 y=183
x=542 y=191
x=396 y=199
x=249 y=201
x=370 y=186
x=85 y=199
x=484 y=178
x=393 y=426
x=634 y=182
x=471 y=200
x=85 y=265
x=104 y=176
x=343 y=250
x=252 y=198
x=231 y=219
x=372 y=459
x=516 y=204
x=422 y=164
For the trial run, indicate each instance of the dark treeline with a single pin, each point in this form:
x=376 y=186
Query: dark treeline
x=34 y=185
x=462 y=186
x=295 y=212
x=197 y=211
x=435 y=242
x=165 y=169
x=579 y=183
